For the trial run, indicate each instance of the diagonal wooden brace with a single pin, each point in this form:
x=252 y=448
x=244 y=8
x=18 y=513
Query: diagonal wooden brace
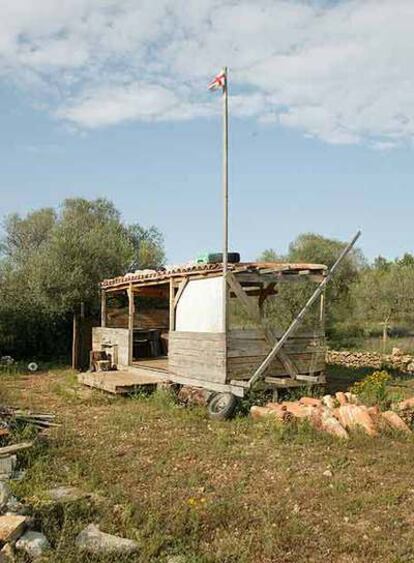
x=254 y=314
x=259 y=373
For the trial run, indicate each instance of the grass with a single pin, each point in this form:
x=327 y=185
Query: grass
x=181 y=484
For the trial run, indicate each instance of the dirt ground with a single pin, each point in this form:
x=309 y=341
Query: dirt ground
x=237 y=491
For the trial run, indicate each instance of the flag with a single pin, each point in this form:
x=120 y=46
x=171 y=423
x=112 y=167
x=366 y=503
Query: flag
x=218 y=81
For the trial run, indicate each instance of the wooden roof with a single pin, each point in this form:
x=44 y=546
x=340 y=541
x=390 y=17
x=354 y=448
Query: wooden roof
x=149 y=277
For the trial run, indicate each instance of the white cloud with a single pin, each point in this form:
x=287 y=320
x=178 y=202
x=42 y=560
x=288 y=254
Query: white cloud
x=341 y=72
x=110 y=105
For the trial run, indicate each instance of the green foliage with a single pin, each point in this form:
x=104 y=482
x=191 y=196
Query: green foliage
x=270 y=255
x=51 y=261
x=373 y=390
x=362 y=299
x=315 y=248
x=311 y=247
x=383 y=296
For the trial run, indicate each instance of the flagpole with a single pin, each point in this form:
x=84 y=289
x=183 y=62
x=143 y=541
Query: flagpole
x=225 y=195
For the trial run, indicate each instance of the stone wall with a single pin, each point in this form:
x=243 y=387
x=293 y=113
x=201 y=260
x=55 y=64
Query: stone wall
x=395 y=361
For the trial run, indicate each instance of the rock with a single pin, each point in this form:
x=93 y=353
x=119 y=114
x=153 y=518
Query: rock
x=374 y=410
x=341 y=398
x=332 y=426
x=14 y=506
x=395 y=421
x=7 y=466
x=329 y=401
x=353 y=416
x=327 y=473
x=66 y=494
x=193 y=395
x=352 y=398
x=267 y=412
x=7 y=554
x=5 y=495
x=311 y=401
x=91 y=540
x=34 y=544
x=11 y=527
x=396 y=351
x=406 y=404
x=298 y=410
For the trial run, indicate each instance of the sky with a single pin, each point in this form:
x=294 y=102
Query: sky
x=108 y=98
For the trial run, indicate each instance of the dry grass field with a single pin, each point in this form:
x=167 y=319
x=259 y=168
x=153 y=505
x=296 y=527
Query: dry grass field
x=223 y=492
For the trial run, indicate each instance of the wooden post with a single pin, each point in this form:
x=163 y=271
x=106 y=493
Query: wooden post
x=131 y=311
x=172 y=305
x=103 y=308
x=322 y=312
x=75 y=341
x=225 y=194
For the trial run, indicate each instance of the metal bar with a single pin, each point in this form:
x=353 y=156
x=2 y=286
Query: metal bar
x=225 y=194
x=296 y=322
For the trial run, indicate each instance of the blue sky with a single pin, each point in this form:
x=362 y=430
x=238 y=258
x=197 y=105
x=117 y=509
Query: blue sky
x=319 y=140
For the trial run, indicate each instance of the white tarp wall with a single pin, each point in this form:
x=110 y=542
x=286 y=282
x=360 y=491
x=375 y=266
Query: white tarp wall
x=200 y=308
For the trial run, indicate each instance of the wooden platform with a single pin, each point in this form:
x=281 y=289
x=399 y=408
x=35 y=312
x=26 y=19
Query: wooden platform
x=119 y=382
x=158 y=364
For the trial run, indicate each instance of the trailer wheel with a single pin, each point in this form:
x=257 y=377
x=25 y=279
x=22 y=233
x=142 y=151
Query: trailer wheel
x=222 y=406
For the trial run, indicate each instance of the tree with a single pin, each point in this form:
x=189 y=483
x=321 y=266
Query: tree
x=23 y=236
x=315 y=248
x=385 y=296
x=51 y=261
x=149 y=247
x=270 y=255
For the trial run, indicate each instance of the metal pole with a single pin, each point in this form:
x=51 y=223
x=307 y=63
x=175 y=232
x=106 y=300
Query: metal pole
x=225 y=194
x=294 y=325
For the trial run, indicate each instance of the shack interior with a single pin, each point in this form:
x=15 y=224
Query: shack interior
x=173 y=321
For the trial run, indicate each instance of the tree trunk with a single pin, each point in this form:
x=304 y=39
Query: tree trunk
x=384 y=335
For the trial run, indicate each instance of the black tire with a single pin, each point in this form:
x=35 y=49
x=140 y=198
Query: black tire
x=222 y=406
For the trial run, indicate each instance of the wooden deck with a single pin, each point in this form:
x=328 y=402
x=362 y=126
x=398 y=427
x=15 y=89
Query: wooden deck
x=119 y=382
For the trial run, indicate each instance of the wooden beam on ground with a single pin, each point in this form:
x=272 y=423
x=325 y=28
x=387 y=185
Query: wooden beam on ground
x=13 y=448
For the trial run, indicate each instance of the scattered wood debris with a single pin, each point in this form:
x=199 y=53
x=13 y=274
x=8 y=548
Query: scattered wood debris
x=13 y=448
x=11 y=527
x=337 y=415
x=14 y=522
x=10 y=416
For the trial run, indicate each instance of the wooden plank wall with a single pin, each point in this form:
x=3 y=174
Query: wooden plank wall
x=246 y=349
x=199 y=355
x=143 y=318
x=118 y=336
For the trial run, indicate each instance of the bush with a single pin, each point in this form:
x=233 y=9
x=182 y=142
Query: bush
x=373 y=389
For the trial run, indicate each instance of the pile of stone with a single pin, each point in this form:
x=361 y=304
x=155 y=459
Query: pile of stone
x=338 y=415
x=398 y=361
x=16 y=533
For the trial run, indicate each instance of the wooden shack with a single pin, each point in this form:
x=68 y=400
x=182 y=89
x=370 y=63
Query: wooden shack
x=173 y=323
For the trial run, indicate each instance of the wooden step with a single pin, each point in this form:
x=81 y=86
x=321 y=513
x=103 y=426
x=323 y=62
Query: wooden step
x=119 y=382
